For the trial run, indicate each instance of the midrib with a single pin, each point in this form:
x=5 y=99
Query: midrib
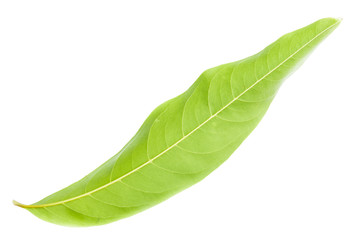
x=180 y=140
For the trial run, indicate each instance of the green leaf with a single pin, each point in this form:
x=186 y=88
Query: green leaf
x=185 y=138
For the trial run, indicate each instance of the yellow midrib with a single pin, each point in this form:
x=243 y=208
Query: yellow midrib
x=180 y=140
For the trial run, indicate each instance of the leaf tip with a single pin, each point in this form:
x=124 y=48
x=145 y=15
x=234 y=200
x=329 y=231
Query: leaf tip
x=339 y=19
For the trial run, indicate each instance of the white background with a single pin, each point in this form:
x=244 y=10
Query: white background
x=79 y=77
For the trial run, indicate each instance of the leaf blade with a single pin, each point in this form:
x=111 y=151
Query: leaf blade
x=186 y=138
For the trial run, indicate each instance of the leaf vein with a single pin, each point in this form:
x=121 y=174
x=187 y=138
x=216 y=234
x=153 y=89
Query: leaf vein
x=187 y=135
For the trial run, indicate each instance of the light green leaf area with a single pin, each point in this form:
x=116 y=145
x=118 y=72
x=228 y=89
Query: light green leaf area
x=185 y=138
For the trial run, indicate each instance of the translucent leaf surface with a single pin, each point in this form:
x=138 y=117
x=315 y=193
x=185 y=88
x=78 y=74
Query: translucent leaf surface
x=185 y=138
